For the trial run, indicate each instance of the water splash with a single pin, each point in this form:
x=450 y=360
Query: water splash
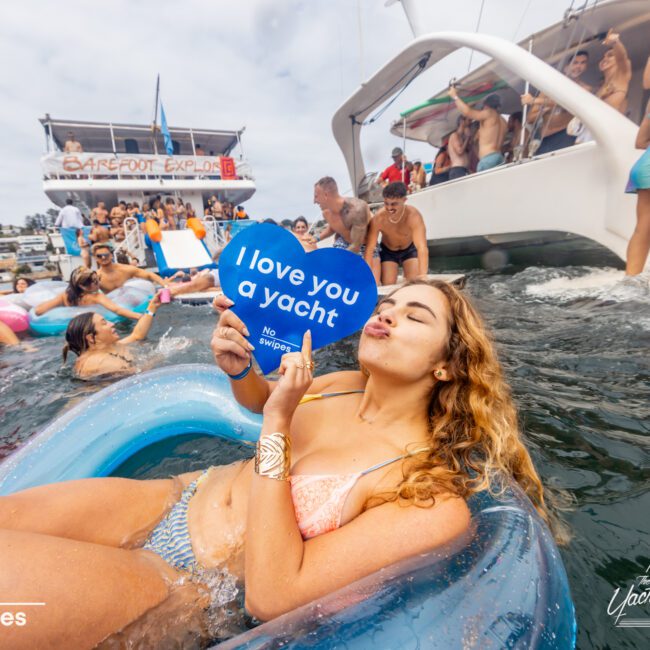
x=574 y=284
x=168 y=345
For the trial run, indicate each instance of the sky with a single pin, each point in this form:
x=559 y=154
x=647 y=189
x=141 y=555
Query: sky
x=280 y=68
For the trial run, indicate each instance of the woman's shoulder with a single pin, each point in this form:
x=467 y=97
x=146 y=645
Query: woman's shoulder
x=92 y=364
x=341 y=380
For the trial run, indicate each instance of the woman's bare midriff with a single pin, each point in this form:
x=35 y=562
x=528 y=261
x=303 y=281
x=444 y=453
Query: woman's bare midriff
x=217 y=517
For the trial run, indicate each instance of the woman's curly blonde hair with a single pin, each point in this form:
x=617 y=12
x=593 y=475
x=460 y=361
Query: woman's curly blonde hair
x=474 y=434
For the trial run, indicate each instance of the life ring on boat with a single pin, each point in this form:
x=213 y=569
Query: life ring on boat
x=13 y=316
x=503 y=587
x=135 y=295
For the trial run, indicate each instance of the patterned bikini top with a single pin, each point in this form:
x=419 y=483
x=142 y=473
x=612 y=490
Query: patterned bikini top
x=319 y=499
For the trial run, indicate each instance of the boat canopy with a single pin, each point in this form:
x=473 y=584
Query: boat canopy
x=108 y=137
x=582 y=29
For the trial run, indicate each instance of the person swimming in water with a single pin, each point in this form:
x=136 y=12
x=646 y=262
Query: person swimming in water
x=354 y=471
x=83 y=291
x=100 y=349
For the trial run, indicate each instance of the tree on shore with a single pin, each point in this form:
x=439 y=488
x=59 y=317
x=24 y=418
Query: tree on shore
x=40 y=221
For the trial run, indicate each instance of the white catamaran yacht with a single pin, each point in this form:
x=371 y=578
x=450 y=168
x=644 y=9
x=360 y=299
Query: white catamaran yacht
x=578 y=190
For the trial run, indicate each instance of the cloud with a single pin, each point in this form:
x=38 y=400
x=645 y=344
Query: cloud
x=281 y=68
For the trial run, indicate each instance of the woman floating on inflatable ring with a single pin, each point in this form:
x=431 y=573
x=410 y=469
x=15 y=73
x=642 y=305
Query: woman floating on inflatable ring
x=338 y=490
x=83 y=290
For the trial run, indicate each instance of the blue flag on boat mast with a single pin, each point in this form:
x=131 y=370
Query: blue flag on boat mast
x=167 y=138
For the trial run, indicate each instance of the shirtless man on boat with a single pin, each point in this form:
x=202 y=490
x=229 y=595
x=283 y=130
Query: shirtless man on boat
x=555 y=119
x=492 y=129
x=403 y=237
x=458 y=149
x=100 y=214
x=347 y=219
x=113 y=275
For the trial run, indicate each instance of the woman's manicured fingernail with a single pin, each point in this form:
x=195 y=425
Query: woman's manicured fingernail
x=246 y=332
x=229 y=302
x=251 y=346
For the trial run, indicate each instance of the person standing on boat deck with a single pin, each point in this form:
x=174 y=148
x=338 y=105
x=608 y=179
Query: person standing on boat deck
x=403 y=237
x=398 y=170
x=72 y=145
x=347 y=219
x=419 y=176
x=112 y=276
x=69 y=216
x=512 y=149
x=216 y=209
x=169 y=223
x=441 y=165
x=617 y=73
x=84 y=248
x=458 y=149
x=180 y=214
x=639 y=244
x=492 y=129
x=99 y=214
x=98 y=233
x=555 y=119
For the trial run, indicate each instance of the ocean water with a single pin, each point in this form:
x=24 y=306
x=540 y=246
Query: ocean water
x=575 y=344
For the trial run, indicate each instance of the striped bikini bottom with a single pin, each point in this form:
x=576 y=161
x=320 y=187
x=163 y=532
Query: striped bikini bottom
x=170 y=539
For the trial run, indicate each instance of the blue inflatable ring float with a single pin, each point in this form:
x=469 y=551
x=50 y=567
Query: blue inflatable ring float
x=134 y=295
x=504 y=586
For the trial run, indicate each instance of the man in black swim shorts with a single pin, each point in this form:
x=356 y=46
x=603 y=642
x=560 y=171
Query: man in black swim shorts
x=403 y=237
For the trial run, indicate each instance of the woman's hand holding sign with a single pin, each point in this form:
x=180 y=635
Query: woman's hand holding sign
x=296 y=376
x=231 y=350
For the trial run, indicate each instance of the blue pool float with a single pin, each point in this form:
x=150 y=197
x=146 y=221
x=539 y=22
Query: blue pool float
x=503 y=587
x=134 y=295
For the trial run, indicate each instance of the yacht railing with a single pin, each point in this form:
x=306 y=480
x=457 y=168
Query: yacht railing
x=133 y=242
x=215 y=236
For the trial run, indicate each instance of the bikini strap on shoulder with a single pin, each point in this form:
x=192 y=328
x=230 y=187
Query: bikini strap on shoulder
x=393 y=460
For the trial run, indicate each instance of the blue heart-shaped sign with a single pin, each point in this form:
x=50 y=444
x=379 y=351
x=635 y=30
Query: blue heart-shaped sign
x=280 y=291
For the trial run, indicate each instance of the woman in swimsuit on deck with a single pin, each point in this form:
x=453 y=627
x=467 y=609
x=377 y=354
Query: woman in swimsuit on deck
x=427 y=422
x=617 y=73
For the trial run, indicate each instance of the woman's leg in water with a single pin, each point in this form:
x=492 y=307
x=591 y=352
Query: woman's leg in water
x=639 y=245
x=112 y=511
x=90 y=591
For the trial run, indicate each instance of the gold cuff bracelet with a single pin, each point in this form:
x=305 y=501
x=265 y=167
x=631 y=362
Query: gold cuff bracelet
x=273 y=456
